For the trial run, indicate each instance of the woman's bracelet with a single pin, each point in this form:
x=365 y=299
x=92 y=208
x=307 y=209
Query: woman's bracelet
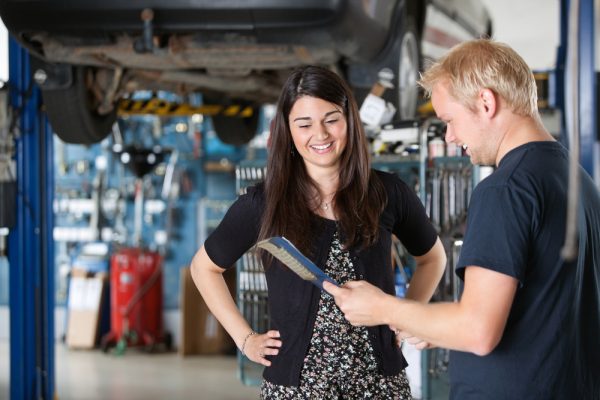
x=245 y=340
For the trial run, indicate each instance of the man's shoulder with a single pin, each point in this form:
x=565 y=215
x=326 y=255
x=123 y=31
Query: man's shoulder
x=527 y=165
x=534 y=157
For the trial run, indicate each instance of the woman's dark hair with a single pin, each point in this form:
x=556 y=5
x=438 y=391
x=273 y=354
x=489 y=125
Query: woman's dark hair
x=289 y=190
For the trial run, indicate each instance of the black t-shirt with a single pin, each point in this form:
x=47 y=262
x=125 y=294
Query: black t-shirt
x=293 y=302
x=516 y=226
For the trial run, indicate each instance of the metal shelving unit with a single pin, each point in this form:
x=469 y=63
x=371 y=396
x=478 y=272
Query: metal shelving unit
x=251 y=281
x=444 y=184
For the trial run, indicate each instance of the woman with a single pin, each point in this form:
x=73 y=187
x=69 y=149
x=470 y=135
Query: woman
x=321 y=193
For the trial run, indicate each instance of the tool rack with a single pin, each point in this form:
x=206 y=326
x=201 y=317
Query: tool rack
x=251 y=281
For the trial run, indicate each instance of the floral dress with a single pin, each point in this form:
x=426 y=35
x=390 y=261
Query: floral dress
x=340 y=362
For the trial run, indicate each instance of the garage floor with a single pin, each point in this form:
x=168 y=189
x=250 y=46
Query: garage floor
x=91 y=375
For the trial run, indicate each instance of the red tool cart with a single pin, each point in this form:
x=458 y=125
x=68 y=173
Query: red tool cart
x=136 y=300
x=136 y=274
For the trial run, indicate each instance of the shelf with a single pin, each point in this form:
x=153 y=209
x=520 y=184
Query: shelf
x=442 y=161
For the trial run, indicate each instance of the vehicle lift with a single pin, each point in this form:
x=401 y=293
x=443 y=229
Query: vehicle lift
x=31 y=246
x=30 y=242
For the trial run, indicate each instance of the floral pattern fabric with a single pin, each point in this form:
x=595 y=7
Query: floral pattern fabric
x=340 y=362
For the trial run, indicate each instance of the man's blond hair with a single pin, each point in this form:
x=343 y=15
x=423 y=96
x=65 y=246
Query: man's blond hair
x=480 y=64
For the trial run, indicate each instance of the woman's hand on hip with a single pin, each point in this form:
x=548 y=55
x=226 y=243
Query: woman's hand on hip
x=262 y=345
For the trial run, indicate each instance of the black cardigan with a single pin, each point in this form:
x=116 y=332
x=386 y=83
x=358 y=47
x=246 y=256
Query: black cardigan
x=293 y=302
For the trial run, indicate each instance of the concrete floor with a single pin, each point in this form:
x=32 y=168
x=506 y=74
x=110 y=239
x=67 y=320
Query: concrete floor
x=91 y=375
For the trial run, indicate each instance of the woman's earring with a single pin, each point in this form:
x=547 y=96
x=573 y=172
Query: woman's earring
x=292 y=151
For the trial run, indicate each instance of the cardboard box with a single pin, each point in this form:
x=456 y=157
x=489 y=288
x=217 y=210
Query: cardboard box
x=201 y=333
x=86 y=296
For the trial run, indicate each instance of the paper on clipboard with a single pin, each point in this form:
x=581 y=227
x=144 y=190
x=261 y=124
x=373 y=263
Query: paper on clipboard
x=287 y=253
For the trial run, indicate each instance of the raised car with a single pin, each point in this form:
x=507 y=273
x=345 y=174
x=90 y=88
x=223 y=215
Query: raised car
x=89 y=55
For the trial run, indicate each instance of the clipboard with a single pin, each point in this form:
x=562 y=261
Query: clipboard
x=288 y=254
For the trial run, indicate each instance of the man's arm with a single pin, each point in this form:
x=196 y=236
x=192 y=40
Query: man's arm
x=474 y=324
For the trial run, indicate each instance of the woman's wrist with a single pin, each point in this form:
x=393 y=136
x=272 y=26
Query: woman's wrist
x=243 y=347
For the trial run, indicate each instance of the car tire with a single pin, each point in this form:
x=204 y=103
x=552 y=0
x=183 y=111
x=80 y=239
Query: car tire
x=236 y=131
x=406 y=64
x=72 y=115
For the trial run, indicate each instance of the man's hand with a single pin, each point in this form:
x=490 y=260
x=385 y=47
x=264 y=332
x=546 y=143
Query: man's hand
x=406 y=337
x=359 y=301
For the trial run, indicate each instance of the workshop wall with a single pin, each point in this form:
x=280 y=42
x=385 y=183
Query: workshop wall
x=176 y=219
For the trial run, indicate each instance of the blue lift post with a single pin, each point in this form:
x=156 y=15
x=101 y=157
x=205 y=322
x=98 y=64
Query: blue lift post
x=588 y=125
x=587 y=86
x=31 y=249
x=588 y=108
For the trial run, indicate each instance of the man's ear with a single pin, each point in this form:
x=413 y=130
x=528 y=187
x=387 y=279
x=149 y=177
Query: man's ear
x=487 y=102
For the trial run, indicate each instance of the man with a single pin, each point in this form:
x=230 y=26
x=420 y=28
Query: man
x=527 y=325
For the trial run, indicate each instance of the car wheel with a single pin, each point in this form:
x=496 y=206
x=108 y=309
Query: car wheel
x=72 y=112
x=236 y=131
x=405 y=94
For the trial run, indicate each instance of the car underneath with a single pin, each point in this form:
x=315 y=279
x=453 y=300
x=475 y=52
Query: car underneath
x=87 y=58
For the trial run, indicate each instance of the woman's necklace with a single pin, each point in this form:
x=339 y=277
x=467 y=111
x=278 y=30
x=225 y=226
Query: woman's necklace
x=325 y=205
